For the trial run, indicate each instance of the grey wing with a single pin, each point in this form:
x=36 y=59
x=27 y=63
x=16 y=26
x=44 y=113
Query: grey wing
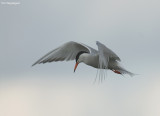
x=91 y=50
x=67 y=51
x=105 y=54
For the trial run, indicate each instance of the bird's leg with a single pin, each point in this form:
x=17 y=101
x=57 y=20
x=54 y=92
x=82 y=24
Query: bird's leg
x=116 y=71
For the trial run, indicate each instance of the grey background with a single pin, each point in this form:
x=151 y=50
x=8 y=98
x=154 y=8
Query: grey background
x=33 y=28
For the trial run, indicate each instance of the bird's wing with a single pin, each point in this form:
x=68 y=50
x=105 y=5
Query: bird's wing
x=105 y=54
x=92 y=50
x=67 y=51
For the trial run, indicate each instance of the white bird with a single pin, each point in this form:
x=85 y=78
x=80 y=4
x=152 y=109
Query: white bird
x=103 y=58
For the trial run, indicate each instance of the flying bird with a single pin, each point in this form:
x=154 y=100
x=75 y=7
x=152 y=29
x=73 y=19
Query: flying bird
x=103 y=58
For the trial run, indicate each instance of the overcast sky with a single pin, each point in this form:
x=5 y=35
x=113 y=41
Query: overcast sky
x=30 y=29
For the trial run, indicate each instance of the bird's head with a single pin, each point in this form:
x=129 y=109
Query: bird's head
x=79 y=59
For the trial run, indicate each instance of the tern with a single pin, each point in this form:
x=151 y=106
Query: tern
x=103 y=58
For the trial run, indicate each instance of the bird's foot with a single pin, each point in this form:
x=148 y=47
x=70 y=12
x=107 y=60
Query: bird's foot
x=116 y=71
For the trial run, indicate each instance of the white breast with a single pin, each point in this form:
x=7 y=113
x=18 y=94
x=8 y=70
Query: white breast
x=90 y=59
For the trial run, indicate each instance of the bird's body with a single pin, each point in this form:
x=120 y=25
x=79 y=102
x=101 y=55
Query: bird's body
x=103 y=58
x=93 y=59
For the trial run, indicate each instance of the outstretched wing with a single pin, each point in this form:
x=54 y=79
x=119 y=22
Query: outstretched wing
x=105 y=54
x=67 y=51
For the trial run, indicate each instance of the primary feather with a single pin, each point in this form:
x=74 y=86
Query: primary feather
x=67 y=51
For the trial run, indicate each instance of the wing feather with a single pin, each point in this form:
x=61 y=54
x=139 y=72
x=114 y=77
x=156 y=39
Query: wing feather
x=105 y=54
x=67 y=51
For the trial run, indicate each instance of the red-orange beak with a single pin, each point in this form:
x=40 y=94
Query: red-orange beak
x=76 y=66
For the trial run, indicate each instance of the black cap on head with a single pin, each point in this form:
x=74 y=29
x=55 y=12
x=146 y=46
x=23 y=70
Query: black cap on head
x=79 y=53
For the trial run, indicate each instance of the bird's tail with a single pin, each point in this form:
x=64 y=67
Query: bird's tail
x=124 y=71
